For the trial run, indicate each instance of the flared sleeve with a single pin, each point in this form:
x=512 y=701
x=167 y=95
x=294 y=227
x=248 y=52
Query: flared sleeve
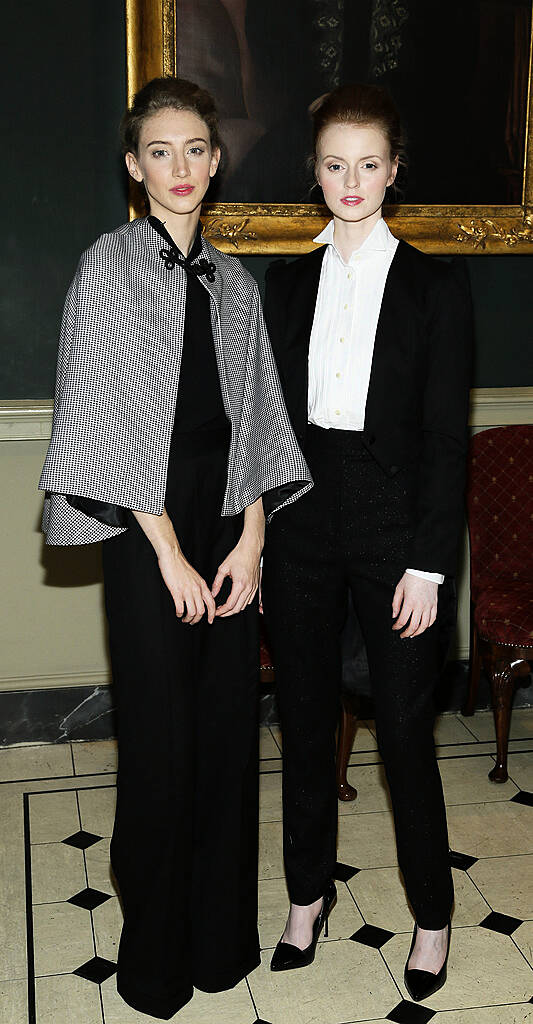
x=274 y=466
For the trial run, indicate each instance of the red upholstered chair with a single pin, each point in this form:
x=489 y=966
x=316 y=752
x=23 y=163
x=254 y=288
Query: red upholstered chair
x=500 y=519
x=347 y=727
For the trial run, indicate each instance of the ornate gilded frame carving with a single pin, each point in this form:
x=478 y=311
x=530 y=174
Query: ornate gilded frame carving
x=258 y=229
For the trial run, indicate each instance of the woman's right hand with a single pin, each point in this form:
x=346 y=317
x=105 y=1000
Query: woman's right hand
x=190 y=593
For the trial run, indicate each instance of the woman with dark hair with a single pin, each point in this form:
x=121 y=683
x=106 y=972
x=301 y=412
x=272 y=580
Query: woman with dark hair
x=372 y=340
x=169 y=430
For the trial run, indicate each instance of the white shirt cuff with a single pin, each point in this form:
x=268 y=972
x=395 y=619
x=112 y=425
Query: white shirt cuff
x=435 y=577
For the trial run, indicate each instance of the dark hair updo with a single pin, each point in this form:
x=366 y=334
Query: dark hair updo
x=359 y=105
x=168 y=94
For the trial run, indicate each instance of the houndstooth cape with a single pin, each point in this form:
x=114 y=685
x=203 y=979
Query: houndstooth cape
x=117 y=383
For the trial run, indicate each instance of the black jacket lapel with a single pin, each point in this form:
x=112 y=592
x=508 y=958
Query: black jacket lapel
x=391 y=346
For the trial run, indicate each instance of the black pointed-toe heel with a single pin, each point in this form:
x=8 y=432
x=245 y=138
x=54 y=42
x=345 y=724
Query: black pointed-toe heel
x=287 y=957
x=422 y=984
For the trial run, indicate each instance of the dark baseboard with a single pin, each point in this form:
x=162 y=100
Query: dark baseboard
x=88 y=713
x=57 y=715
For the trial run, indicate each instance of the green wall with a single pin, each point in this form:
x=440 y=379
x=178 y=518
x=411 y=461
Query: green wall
x=63 y=181
x=64 y=185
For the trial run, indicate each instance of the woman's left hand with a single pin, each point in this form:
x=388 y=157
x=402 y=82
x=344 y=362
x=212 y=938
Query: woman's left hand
x=242 y=565
x=415 y=599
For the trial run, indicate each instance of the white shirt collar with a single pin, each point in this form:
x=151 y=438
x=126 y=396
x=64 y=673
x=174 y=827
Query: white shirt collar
x=380 y=239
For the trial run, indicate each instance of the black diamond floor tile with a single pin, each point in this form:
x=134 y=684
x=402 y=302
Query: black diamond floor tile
x=463 y=861
x=343 y=872
x=89 y=898
x=500 y=923
x=410 y=1013
x=82 y=840
x=523 y=797
x=369 y=935
x=96 y=970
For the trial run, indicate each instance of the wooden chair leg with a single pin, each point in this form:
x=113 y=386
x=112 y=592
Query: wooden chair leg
x=502 y=685
x=475 y=669
x=503 y=675
x=347 y=727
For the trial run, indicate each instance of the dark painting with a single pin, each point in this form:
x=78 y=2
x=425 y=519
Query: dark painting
x=458 y=72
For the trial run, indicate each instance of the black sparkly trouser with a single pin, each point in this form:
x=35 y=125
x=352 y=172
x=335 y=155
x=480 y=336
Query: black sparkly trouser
x=351 y=533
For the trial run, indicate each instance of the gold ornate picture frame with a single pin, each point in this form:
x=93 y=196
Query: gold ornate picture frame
x=277 y=228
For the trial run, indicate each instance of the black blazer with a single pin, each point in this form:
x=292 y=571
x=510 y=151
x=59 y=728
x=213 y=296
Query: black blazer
x=417 y=403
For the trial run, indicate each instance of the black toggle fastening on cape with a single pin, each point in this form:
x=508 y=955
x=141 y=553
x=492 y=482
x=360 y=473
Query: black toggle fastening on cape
x=173 y=255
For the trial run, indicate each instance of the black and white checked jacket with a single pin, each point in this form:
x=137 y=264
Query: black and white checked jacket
x=117 y=382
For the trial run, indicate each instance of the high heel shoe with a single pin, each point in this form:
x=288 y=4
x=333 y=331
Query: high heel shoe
x=286 y=957
x=422 y=984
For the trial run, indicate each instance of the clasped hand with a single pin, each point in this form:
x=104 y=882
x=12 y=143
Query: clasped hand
x=192 y=596
x=414 y=605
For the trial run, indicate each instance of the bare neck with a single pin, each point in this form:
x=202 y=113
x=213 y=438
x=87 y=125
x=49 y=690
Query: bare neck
x=181 y=227
x=350 y=235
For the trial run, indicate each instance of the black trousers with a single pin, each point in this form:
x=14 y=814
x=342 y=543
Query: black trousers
x=184 y=845
x=351 y=533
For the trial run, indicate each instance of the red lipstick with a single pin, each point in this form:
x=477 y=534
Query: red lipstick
x=352 y=200
x=182 y=190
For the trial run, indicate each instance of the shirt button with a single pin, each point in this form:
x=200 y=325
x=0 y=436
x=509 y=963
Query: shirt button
x=341 y=340
x=337 y=374
x=349 y=277
x=337 y=412
x=346 y=305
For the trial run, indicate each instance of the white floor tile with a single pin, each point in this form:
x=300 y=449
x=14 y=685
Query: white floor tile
x=367 y=840
x=520 y=768
x=517 y=1014
x=53 y=816
x=523 y=936
x=56 y=998
x=381 y=898
x=94 y=758
x=57 y=872
x=467 y=782
x=14 y=1002
x=270 y=797
x=63 y=938
x=450 y=729
x=98 y=863
x=107 y=920
x=497 y=829
x=482 y=724
x=268 y=747
x=506 y=884
x=12 y=888
x=372 y=790
x=270 y=850
x=40 y=762
x=97 y=809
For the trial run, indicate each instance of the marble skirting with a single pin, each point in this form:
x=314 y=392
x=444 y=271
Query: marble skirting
x=87 y=712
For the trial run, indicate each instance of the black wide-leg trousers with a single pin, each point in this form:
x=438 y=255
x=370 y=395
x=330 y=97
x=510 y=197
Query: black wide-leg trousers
x=184 y=845
x=351 y=533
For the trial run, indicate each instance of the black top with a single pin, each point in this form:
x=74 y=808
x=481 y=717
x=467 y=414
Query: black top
x=199 y=404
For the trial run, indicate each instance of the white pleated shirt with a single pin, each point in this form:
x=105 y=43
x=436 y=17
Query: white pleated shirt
x=344 y=329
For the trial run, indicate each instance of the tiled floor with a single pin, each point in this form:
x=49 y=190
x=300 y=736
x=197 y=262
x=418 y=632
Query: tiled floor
x=60 y=916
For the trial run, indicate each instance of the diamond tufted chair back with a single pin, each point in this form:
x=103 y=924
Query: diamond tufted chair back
x=500 y=506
